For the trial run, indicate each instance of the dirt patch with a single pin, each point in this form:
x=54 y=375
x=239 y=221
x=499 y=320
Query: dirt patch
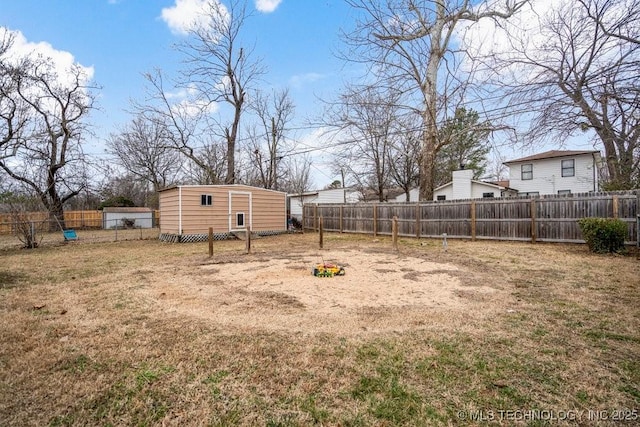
x=147 y=333
x=282 y=294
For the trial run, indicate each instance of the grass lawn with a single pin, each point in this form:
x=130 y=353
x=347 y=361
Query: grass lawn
x=149 y=333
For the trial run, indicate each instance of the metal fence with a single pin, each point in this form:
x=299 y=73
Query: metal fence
x=29 y=229
x=545 y=218
x=39 y=234
x=10 y=223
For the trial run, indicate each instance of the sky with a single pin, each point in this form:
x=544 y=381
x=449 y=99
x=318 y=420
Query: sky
x=119 y=40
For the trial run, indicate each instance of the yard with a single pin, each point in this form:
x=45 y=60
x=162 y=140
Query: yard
x=141 y=332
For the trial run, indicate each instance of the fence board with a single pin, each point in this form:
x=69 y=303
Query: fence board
x=546 y=218
x=83 y=219
x=72 y=219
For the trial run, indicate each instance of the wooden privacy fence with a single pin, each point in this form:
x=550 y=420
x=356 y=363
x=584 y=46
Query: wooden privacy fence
x=545 y=219
x=72 y=219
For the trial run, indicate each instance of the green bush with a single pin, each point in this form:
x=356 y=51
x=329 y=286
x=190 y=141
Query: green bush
x=603 y=234
x=117 y=202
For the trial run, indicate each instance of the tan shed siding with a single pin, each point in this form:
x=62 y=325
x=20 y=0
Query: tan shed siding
x=197 y=218
x=240 y=202
x=269 y=210
x=169 y=206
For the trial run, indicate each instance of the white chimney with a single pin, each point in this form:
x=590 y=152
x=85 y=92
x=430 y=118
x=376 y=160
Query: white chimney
x=462 y=183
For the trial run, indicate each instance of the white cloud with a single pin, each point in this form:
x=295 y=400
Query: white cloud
x=300 y=80
x=529 y=32
x=185 y=15
x=182 y=93
x=486 y=37
x=62 y=61
x=185 y=102
x=267 y=6
x=189 y=108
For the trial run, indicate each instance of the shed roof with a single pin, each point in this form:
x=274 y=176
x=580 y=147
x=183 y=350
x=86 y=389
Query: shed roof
x=230 y=186
x=116 y=209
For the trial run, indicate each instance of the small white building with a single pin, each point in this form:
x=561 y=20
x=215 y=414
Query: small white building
x=124 y=217
x=414 y=196
x=334 y=195
x=463 y=186
x=556 y=172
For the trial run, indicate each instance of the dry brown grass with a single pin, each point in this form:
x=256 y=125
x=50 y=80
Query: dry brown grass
x=147 y=333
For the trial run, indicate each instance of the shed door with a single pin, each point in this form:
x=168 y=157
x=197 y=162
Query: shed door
x=240 y=209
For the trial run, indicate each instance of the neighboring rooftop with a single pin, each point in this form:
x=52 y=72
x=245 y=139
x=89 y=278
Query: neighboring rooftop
x=502 y=183
x=125 y=209
x=551 y=154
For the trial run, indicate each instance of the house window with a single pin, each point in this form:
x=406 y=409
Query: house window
x=240 y=219
x=487 y=195
x=563 y=192
x=568 y=167
x=527 y=171
x=529 y=194
x=206 y=200
x=442 y=197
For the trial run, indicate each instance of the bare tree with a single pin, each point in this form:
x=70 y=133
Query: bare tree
x=221 y=70
x=208 y=164
x=20 y=208
x=183 y=125
x=404 y=154
x=405 y=44
x=582 y=75
x=269 y=143
x=298 y=179
x=13 y=114
x=123 y=190
x=144 y=149
x=366 y=117
x=44 y=120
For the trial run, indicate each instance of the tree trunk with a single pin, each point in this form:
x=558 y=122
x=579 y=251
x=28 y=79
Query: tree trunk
x=56 y=217
x=430 y=91
x=427 y=168
x=231 y=159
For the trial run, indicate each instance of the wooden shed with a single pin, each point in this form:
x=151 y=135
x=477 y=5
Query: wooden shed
x=187 y=211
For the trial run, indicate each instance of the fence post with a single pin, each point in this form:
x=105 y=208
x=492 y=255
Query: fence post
x=210 y=242
x=615 y=206
x=394 y=230
x=341 y=218
x=315 y=217
x=533 y=221
x=248 y=246
x=418 y=231
x=320 y=233
x=375 y=219
x=473 y=220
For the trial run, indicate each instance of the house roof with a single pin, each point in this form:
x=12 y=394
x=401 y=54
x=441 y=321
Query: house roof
x=316 y=192
x=123 y=209
x=551 y=154
x=502 y=183
x=488 y=184
x=308 y=193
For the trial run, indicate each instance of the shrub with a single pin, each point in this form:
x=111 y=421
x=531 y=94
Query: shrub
x=603 y=234
x=117 y=202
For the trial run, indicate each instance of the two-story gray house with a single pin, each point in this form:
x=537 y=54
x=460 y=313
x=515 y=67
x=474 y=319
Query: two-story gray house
x=556 y=172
